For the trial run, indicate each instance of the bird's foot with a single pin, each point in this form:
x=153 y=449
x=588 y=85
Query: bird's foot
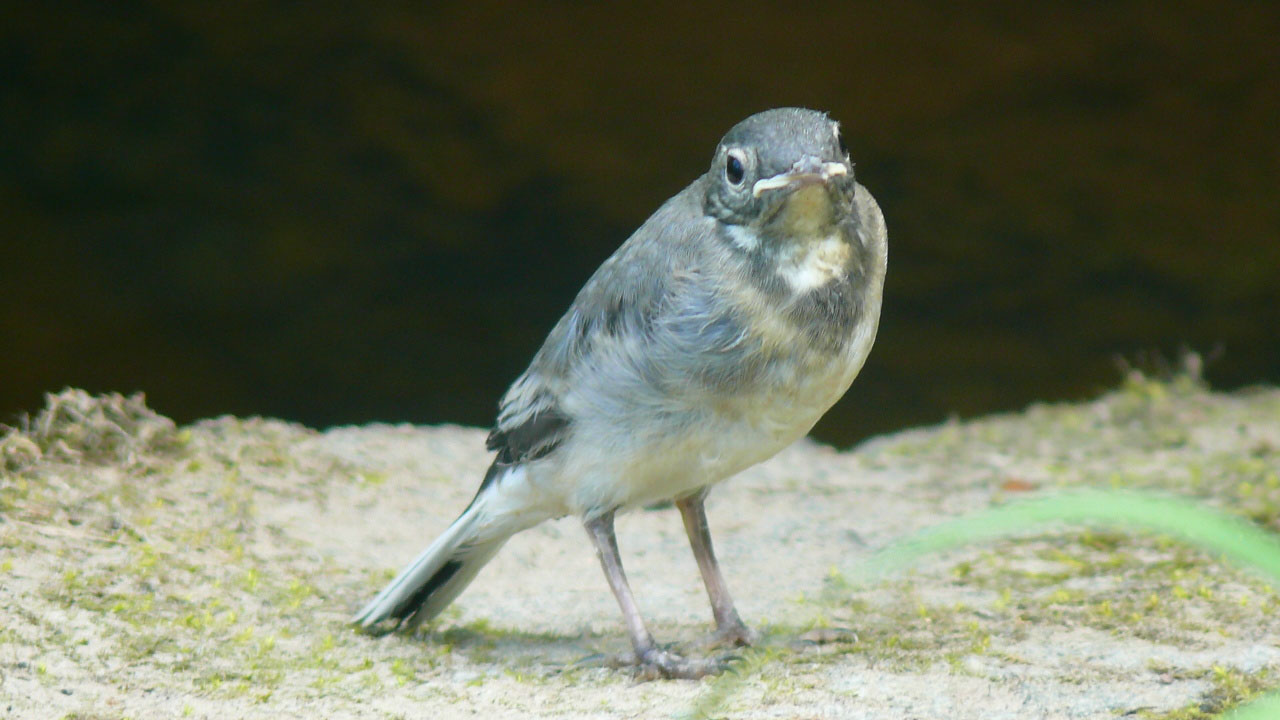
x=826 y=636
x=657 y=664
x=731 y=635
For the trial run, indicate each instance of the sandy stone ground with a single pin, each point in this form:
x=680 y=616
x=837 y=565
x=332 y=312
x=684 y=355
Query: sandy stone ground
x=208 y=571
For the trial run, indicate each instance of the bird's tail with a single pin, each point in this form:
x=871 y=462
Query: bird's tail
x=441 y=572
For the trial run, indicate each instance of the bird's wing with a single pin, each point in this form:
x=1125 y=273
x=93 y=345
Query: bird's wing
x=648 y=305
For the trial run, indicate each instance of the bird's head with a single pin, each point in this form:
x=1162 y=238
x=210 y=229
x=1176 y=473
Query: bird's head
x=778 y=175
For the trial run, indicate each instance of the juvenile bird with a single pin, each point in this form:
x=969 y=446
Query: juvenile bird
x=715 y=336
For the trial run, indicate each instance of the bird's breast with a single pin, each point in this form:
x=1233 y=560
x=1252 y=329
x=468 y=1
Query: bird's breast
x=813 y=264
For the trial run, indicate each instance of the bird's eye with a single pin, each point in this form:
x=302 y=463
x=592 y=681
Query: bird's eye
x=844 y=149
x=734 y=170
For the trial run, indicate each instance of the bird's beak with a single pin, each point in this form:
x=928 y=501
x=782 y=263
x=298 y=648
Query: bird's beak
x=804 y=173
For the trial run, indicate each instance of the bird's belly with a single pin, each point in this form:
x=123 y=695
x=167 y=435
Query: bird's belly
x=710 y=437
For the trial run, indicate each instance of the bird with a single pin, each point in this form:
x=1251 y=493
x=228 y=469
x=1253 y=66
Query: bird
x=714 y=337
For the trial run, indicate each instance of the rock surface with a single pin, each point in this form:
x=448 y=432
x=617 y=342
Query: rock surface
x=148 y=570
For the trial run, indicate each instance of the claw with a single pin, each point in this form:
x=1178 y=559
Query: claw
x=594 y=660
x=728 y=663
x=826 y=636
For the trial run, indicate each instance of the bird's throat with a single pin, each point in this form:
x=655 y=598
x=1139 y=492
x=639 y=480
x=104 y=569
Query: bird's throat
x=812 y=251
x=807 y=213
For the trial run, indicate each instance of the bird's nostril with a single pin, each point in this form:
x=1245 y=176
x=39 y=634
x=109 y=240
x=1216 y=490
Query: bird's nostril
x=808 y=164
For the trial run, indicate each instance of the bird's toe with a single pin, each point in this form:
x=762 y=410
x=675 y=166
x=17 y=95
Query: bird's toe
x=664 y=664
x=827 y=636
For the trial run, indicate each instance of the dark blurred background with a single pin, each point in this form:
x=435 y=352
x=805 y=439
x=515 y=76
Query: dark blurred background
x=340 y=212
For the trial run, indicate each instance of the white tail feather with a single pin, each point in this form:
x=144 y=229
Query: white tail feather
x=441 y=572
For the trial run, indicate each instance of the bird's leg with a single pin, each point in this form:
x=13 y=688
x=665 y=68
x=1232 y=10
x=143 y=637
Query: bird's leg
x=601 y=531
x=652 y=661
x=730 y=630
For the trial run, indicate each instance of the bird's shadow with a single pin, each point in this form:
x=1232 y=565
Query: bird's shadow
x=549 y=653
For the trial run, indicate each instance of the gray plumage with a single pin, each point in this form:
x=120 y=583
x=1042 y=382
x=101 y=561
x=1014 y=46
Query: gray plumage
x=720 y=332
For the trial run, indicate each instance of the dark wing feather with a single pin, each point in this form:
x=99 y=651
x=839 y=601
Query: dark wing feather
x=622 y=296
x=540 y=433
